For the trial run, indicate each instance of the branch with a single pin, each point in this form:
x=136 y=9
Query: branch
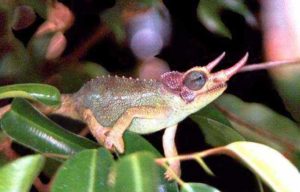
x=268 y=65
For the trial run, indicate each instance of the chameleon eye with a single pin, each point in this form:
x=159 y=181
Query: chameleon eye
x=195 y=80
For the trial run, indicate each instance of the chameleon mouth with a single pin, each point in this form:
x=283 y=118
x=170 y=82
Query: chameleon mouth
x=217 y=87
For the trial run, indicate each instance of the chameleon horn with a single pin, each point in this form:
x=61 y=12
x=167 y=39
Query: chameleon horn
x=234 y=69
x=215 y=62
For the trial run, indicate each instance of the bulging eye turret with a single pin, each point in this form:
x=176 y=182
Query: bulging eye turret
x=195 y=80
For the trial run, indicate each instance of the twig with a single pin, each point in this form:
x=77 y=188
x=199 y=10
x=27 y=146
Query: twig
x=217 y=150
x=98 y=35
x=290 y=146
x=84 y=131
x=4 y=109
x=268 y=65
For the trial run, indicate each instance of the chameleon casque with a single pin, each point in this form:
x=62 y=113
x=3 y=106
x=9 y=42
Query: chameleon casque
x=110 y=105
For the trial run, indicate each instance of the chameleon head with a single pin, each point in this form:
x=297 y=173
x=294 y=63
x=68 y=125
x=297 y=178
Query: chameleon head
x=198 y=86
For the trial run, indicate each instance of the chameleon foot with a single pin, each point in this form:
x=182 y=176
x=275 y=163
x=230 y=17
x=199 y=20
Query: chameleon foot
x=114 y=141
x=175 y=166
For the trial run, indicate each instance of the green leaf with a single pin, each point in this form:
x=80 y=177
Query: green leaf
x=29 y=127
x=136 y=143
x=260 y=124
x=51 y=167
x=20 y=174
x=85 y=171
x=136 y=172
x=5 y=18
x=198 y=187
x=46 y=94
x=40 y=6
x=274 y=169
x=113 y=16
x=3 y=159
x=286 y=80
x=209 y=14
x=14 y=60
x=38 y=47
x=216 y=128
x=93 y=69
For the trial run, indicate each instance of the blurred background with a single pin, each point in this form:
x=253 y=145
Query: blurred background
x=66 y=43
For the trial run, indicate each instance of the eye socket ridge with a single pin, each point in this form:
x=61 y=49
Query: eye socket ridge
x=195 y=80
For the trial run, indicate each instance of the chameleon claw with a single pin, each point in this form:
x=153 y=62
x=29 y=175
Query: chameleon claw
x=114 y=142
x=174 y=168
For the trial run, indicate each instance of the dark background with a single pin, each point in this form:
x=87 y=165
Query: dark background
x=191 y=44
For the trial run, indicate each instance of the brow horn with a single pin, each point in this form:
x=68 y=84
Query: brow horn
x=215 y=62
x=235 y=68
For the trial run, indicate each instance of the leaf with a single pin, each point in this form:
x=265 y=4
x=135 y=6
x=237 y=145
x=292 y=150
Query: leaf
x=40 y=6
x=286 y=80
x=5 y=21
x=136 y=172
x=23 y=17
x=209 y=14
x=216 y=128
x=29 y=127
x=136 y=143
x=14 y=60
x=3 y=160
x=88 y=170
x=93 y=69
x=274 y=169
x=260 y=124
x=198 y=187
x=46 y=94
x=38 y=47
x=20 y=174
x=114 y=19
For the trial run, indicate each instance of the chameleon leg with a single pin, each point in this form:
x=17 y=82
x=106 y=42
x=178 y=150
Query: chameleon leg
x=114 y=138
x=97 y=130
x=171 y=151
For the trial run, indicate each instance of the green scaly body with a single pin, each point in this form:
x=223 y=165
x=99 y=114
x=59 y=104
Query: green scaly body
x=109 y=97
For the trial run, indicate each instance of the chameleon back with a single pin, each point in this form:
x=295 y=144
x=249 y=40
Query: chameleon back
x=109 y=97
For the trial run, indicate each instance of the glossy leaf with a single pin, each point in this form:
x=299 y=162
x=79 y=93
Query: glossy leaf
x=14 y=60
x=20 y=174
x=209 y=14
x=3 y=158
x=259 y=123
x=29 y=127
x=136 y=143
x=136 y=172
x=274 y=169
x=198 y=187
x=51 y=167
x=216 y=128
x=2 y=136
x=40 y=6
x=38 y=47
x=287 y=84
x=93 y=69
x=46 y=94
x=86 y=171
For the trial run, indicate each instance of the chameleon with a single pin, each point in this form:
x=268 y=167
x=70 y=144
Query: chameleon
x=110 y=105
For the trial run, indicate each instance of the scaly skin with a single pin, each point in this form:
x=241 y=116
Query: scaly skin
x=110 y=105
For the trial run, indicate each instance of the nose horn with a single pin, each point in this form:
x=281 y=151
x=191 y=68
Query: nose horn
x=235 y=68
x=215 y=62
